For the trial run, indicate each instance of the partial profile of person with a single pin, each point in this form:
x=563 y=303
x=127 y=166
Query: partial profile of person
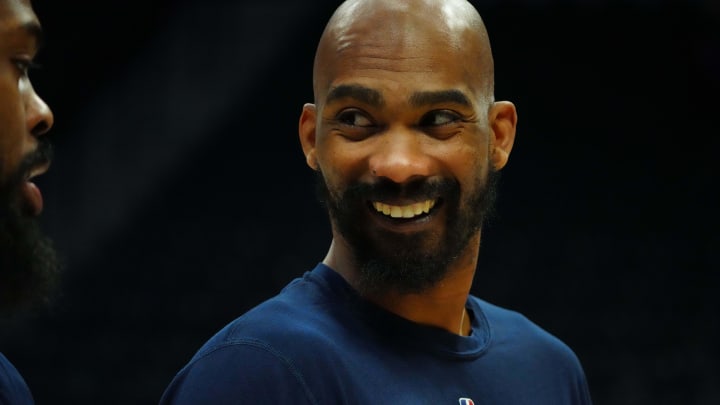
x=28 y=261
x=407 y=141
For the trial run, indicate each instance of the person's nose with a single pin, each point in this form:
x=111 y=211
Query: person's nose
x=401 y=156
x=38 y=115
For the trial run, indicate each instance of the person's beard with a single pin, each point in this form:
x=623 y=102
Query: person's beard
x=407 y=263
x=28 y=261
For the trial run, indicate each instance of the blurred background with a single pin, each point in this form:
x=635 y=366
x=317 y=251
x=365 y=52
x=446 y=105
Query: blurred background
x=179 y=196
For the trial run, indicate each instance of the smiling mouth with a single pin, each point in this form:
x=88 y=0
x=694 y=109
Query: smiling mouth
x=404 y=211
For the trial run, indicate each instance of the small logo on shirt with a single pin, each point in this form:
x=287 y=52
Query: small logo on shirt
x=466 y=401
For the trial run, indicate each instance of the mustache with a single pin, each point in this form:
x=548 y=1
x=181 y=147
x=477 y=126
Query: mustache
x=420 y=189
x=42 y=155
x=10 y=187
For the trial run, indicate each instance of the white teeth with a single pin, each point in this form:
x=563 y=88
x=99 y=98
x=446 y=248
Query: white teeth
x=404 y=211
x=396 y=212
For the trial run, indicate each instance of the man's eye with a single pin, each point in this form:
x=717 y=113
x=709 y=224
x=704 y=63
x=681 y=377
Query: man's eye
x=24 y=65
x=354 y=118
x=437 y=118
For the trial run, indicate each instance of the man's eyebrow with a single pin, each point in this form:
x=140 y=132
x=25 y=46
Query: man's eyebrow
x=355 y=91
x=34 y=30
x=424 y=98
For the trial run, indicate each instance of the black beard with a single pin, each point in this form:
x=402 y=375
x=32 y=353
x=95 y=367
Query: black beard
x=403 y=263
x=28 y=261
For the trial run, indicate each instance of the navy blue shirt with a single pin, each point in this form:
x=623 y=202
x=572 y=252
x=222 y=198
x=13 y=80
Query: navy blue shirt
x=318 y=342
x=13 y=390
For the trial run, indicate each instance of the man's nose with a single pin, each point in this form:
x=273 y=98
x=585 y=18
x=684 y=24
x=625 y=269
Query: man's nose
x=38 y=115
x=401 y=156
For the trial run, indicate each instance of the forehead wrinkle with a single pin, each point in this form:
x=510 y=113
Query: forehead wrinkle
x=404 y=53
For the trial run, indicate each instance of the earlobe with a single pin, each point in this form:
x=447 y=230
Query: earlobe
x=503 y=122
x=306 y=130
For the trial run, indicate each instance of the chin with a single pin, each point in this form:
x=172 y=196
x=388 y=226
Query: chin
x=28 y=260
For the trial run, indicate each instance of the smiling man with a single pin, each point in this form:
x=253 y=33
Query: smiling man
x=27 y=259
x=407 y=141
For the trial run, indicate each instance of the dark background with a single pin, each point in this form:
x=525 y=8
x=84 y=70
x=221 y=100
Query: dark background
x=179 y=197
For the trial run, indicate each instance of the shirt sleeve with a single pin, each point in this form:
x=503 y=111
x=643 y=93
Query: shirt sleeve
x=13 y=389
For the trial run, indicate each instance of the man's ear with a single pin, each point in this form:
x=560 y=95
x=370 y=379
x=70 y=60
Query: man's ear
x=306 y=130
x=503 y=122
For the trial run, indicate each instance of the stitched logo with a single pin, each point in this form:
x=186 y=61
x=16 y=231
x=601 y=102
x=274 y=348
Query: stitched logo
x=466 y=401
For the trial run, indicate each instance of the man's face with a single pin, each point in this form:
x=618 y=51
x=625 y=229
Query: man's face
x=402 y=141
x=26 y=257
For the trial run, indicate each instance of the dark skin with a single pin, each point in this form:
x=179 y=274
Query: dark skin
x=27 y=259
x=24 y=116
x=403 y=92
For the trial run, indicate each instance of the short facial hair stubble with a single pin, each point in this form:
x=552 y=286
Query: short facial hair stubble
x=405 y=263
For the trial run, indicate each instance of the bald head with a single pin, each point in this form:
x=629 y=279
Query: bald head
x=405 y=35
x=403 y=99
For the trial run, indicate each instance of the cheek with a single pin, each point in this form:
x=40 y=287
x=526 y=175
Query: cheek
x=336 y=181
x=468 y=163
x=341 y=162
x=10 y=155
x=13 y=138
x=331 y=172
x=12 y=146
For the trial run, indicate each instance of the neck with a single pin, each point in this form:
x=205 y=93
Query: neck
x=442 y=305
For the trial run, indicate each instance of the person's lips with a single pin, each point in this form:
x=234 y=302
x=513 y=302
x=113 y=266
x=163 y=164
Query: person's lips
x=30 y=191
